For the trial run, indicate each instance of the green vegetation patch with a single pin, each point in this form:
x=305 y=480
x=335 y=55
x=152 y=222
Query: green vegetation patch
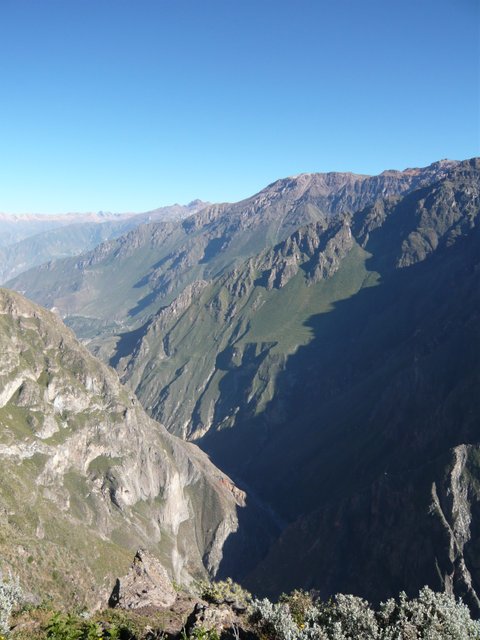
x=101 y=464
x=17 y=421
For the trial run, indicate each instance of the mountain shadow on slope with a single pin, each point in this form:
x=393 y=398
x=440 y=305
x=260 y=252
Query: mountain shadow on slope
x=370 y=447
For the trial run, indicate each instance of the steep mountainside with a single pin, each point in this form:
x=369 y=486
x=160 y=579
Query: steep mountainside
x=338 y=375
x=320 y=341
x=380 y=432
x=184 y=365
x=73 y=234
x=121 y=284
x=189 y=363
x=86 y=476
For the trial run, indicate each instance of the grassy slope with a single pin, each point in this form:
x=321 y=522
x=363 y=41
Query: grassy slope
x=220 y=330
x=53 y=553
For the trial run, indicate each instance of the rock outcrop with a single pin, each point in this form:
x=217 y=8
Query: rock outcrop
x=147 y=584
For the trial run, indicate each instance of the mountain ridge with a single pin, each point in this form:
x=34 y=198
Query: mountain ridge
x=170 y=256
x=69 y=234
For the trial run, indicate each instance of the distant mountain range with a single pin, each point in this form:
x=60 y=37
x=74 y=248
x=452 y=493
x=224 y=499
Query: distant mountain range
x=29 y=240
x=153 y=263
x=320 y=341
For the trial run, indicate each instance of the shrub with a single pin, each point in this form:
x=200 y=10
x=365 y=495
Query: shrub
x=431 y=616
x=10 y=596
x=199 y=633
x=347 y=616
x=299 y=603
x=63 y=627
x=274 y=621
x=70 y=627
x=434 y=616
x=223 y=591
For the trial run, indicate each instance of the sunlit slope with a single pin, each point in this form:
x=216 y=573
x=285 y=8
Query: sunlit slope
x=217 y=348
x=86 y=476
x=184 y=366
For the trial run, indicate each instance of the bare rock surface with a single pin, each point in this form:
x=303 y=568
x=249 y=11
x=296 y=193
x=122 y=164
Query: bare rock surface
x=146 y=585
x=210 y=617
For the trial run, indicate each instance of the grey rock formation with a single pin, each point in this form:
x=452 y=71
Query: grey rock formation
x=211 y=617
x=147 y=584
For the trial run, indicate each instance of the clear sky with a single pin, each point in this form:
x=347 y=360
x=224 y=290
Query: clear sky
x=127 y=105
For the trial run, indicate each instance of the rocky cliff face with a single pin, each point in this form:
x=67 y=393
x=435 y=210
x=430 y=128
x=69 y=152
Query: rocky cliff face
x=186 y=385
x=380 y=431
x=221 y=344
x=419 y=526
x=87 y=476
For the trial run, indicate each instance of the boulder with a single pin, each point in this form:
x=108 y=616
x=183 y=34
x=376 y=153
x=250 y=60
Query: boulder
x=146 y=585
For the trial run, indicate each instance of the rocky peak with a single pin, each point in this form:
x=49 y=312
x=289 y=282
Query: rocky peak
x=319 y=249
x=146 y=585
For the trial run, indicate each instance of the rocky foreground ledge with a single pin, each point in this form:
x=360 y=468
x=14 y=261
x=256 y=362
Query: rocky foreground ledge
x=146 y=605
x=147 y=589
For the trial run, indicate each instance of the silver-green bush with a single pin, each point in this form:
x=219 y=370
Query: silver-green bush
x=10 y=596
x=430 y=616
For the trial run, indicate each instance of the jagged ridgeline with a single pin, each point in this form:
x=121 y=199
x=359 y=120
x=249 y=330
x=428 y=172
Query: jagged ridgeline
x=122 y=283
x=86 y=476
x=321 y=342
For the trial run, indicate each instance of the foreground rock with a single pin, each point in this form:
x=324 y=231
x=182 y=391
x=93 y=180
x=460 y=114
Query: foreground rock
x=146 y=585
x=147 y=591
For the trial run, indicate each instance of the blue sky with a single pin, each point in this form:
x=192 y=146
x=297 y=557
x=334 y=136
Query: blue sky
x=126 y=105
